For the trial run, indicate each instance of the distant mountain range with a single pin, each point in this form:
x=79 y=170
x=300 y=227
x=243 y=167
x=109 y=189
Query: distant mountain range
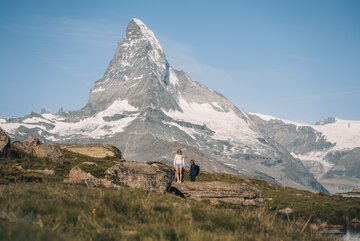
x=148 y=109
x=330 y=148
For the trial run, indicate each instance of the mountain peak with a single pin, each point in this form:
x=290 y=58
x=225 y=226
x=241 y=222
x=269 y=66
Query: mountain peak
x=137 y=29
x=326 y=121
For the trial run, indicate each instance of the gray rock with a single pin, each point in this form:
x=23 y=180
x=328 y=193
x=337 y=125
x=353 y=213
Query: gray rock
x=295 y=139
x=221 y=192
x=148 y=176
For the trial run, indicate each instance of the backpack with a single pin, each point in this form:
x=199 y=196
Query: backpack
x=197 y=170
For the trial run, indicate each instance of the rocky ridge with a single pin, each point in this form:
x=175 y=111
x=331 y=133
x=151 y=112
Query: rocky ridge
x=330 y=148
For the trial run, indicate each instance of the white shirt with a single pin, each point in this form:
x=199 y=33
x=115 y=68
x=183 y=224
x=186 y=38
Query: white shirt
x=179 y=159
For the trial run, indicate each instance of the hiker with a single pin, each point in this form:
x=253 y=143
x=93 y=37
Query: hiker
x=179 y=165
x=194 y=170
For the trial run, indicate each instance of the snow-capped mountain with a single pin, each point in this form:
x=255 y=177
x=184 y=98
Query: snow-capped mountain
x=330 y=148
x=149 y=109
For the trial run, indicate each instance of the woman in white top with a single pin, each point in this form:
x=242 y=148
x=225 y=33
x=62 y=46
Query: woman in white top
x=179 y=165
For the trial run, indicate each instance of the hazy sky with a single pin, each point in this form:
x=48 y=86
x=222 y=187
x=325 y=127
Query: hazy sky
x=298 y=60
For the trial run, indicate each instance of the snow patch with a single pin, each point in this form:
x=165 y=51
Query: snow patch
x=36 y=120
x=344 y=133
x=314 y=156
x=187 y=130
x=100 y=89
x=269 y=118
x=139 y=77
x=173 y=78
x=52 y=117
x=94 y=127
x=226 y=125
x=217 y=105
x=119 y=106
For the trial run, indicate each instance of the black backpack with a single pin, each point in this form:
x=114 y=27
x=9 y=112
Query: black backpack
x=197 y=170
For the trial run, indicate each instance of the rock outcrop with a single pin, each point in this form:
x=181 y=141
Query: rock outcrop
x=33 y=147
x=78 y=176
x=149 y=176
x=220 y=192
x=15 y=174
x=94 y=150
x=4 y=144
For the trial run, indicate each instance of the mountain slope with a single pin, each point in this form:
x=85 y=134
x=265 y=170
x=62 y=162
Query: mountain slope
x=149 y=110
x=330 y=148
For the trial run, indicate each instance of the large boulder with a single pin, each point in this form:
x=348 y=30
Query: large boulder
x=49 y=152
x=148 y=176
x=78 y=176
x=220 y=192
x=94 y=150
x=32 y=147
x=4 y=144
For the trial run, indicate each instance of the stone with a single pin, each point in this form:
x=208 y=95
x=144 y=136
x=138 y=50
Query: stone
x=90 y=164
x=47 y=172
x=31 y=141
x=356 y=190
x=21 y=149
x=78 y=176
x=153 y=176
x=49 y=152
x=32 y=147
x=94 y=150
x=286 y=211
x=220 y=192
x=5 y=147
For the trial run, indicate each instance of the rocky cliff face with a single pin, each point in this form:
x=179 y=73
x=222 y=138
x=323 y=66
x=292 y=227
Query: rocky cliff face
x=149 y=109
x=330 y=148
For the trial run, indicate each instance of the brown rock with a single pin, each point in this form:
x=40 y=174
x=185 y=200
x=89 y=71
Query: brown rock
x=356 y=190
x=31 y=141
x=49 y=152
x=4 y=144
x=286 y=211
x=21 y=149
x=94 y=150
x=148 y=176
x=221 y=192
x=33 y=148
x=78 y=176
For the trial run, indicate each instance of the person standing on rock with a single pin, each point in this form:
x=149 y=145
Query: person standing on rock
x=194 y=170
x=179 y=164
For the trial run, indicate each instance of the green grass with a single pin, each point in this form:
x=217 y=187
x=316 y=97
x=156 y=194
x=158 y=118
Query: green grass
x=47 y=209
x=54 y=211
x=321 y=208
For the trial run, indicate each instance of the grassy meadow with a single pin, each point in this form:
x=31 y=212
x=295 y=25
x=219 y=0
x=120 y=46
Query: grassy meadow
x=34 y=206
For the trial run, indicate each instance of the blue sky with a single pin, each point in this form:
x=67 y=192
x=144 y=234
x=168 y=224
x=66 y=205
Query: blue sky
x=298 y=60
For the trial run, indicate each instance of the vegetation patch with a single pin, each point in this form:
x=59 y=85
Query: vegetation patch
x=51 y=210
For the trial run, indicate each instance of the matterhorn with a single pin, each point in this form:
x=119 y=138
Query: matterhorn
x=148 y=109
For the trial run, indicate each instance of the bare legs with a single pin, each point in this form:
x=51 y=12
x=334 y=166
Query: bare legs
x=178 y=174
